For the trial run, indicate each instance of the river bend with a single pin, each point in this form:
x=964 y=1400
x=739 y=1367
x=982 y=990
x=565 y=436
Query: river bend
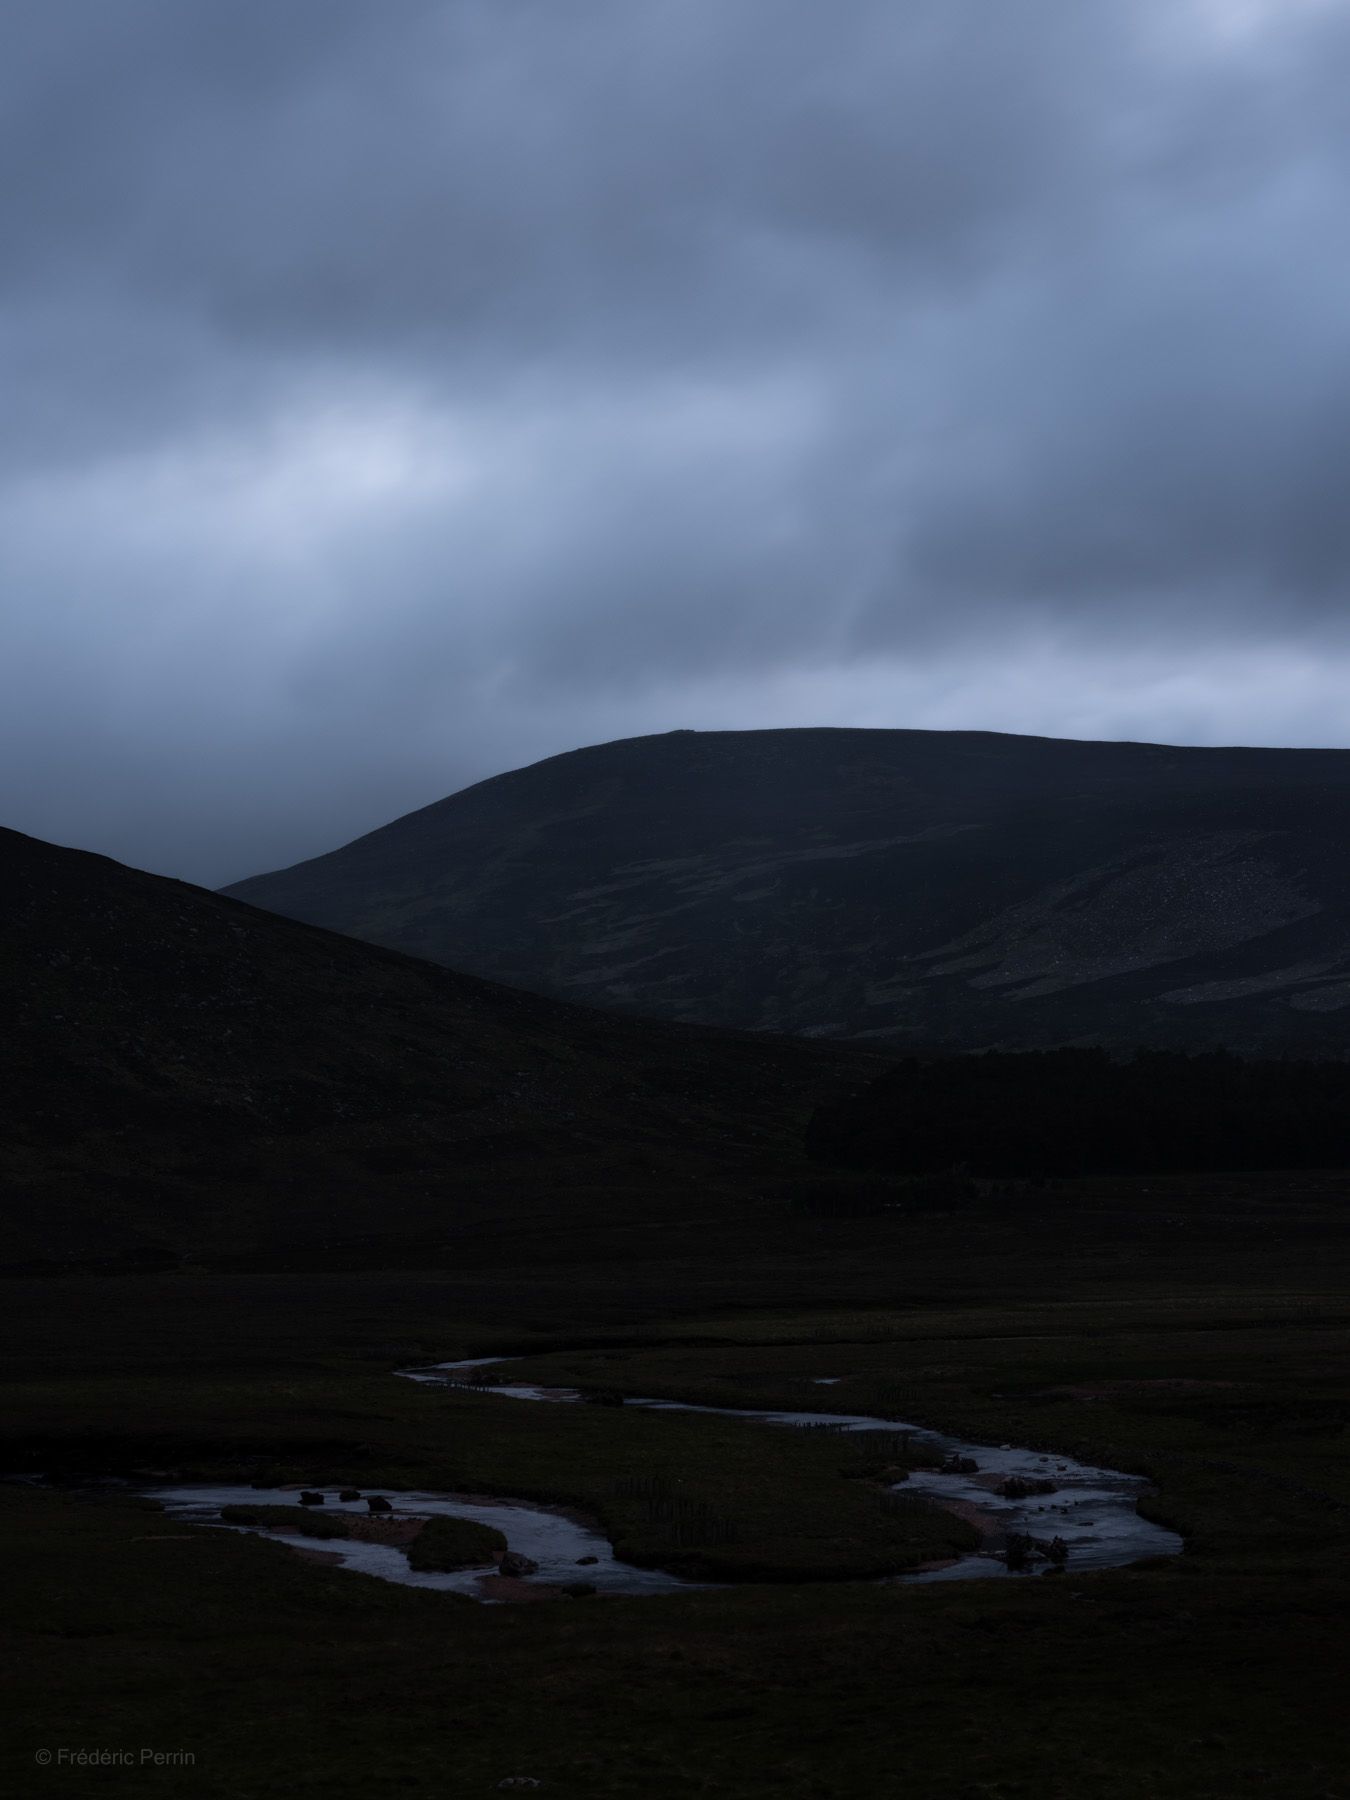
x=1092 y=1510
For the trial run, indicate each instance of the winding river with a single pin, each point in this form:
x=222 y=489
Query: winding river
x=1092 y=1510
x=549 y=1536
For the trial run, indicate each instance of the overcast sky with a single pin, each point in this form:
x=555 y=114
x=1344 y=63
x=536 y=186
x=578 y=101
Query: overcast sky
x=398 y=391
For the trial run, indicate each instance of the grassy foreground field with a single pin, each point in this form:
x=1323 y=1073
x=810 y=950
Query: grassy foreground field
x=1214 y=1362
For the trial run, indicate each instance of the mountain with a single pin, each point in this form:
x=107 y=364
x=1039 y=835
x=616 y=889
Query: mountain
x=186 y=1079
x=926 y=888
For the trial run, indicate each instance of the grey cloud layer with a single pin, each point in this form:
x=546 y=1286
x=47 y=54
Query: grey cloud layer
x=394 y=393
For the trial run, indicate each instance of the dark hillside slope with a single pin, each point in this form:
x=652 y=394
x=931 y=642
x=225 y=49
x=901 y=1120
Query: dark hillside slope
x=185 y=1077
x=936 y=888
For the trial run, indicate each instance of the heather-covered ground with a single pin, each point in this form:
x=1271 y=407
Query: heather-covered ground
x=1220 y=1372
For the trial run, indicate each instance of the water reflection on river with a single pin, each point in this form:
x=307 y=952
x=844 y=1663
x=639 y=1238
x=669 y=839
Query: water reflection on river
x=1092 y=1510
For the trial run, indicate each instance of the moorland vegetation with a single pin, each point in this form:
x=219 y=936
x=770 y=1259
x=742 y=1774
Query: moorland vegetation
x=254 y=1170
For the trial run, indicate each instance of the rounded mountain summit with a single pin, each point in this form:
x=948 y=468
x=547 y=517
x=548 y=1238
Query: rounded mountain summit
x=931 y=888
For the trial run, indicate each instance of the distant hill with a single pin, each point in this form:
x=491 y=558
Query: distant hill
x=184 y=1078
x=924 y=888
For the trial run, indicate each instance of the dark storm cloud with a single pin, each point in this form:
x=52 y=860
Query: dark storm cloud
x=395 y=393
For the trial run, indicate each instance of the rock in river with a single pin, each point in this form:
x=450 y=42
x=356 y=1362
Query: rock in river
x=513 y=1563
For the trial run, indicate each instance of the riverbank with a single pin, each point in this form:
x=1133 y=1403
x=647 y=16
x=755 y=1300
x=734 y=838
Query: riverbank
x=1087 y=1517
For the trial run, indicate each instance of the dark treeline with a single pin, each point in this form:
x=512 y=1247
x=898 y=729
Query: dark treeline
x=1081 y=1112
